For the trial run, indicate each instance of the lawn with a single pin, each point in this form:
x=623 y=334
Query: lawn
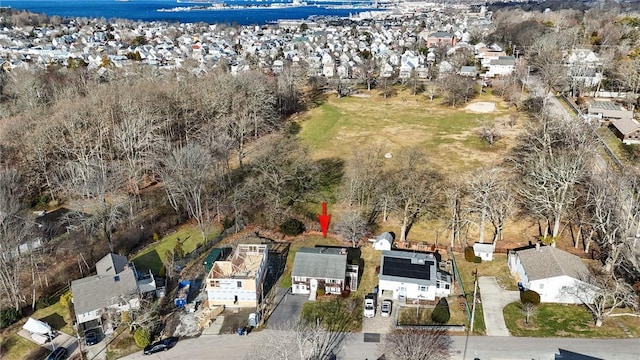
x=152 y=257
x=16 y=347
x=557 y=320
x=338 y=126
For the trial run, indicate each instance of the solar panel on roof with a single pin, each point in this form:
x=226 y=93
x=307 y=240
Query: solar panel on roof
x=404 y=268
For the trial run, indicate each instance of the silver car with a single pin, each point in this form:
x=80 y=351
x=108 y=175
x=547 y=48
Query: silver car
x=385 y=308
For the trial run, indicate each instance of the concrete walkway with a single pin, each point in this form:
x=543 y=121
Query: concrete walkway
x=494 y=299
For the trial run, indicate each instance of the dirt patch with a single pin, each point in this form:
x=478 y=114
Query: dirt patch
x=481 y=107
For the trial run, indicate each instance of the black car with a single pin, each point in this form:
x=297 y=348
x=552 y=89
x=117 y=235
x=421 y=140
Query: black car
x=162 y=345
x=91 y=337
x=58 y=354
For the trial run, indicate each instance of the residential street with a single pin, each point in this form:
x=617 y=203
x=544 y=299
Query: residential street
x=482 y=347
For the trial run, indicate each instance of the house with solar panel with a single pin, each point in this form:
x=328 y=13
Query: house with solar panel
x=412 y=276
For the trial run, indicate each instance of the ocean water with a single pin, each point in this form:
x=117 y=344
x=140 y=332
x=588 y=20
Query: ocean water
x=147 y=10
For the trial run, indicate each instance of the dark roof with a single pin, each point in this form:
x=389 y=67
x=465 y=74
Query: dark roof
x=111 y=264
x=320 y=262
x=405 y=266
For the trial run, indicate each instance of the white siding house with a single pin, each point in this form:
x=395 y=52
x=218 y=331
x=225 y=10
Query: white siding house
x=552 y=273
x=406 y=275
x=322 y=268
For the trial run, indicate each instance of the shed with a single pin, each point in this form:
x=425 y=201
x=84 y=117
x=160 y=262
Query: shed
x=484 y=251
x=384 y=241
x=214 y=255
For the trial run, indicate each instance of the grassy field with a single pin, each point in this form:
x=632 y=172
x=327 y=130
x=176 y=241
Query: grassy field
x=152 y=257
x=339 y=126
x=16 y=347
x=557 y=320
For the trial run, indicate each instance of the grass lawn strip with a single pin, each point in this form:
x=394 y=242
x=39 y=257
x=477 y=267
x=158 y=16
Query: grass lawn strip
x=153 y=256
x=559 y=320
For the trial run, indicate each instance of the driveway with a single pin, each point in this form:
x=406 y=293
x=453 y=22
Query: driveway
x=494 y=299
x=287 y=310
x=62 y=339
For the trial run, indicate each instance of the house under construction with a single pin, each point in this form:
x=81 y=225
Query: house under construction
x=238 y=280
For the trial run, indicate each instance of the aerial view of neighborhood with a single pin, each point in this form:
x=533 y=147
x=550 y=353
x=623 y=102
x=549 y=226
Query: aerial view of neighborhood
x=320 y=180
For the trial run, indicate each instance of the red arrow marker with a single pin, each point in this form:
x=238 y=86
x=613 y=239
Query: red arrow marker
x=324 y=219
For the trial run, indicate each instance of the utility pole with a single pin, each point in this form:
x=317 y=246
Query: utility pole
x=475 y=291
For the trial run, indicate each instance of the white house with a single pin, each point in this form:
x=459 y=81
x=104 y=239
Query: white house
x=503 y=66
x=237 y=280
x=407 y=275
x=322 y=268
x=484 y=250
x=553 y=273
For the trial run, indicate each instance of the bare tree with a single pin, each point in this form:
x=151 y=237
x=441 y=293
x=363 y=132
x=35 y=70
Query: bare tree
x=13 y=232
x=457 y=89
x=528 y=309
x=490 y=200
x=489 y=133
x=545 y=54
x=352 y=227
x=187 y=176
x=416 y=344
x=415 y=187
x=602 y=294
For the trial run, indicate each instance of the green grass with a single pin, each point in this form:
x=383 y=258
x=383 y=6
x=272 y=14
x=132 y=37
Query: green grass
x=17 y=347
x=58 y=316
x=337 y=127
x=152 y=257
x=557 y=320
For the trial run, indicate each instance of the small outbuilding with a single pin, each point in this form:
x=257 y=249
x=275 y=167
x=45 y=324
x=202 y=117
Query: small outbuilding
x=484 y=251
x=384 y=241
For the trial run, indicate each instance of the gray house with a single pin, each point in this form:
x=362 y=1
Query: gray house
x=116 y=286
x=322 y=268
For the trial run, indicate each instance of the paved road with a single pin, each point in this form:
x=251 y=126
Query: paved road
x=494 y=299
x=235 y=347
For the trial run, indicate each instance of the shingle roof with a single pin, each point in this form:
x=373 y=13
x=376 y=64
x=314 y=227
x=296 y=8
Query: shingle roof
x=99 y=291
x=626 y=125
x=550 y=262
x=111 y=264
x=320 y=262
x=403 y=266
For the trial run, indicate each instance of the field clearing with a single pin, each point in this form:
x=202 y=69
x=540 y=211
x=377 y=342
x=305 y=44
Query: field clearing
x=447 y=134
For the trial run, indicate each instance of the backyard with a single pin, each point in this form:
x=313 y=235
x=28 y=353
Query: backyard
x=153 y=256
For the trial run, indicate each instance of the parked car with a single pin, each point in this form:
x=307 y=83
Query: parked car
x=370 y=306
x=162 y=345
x=58 y=354
x=385 y=308
x=91 y=337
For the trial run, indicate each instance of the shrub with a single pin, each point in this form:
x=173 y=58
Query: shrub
x=441 y=314
x=65 y=299
x=477 y=259
x=320 y=292
x=43 y=302
x=530 y=296
x=163 y=272
x=9 y=316
x=469 y=255
x=292 y=227
x=142 y=337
